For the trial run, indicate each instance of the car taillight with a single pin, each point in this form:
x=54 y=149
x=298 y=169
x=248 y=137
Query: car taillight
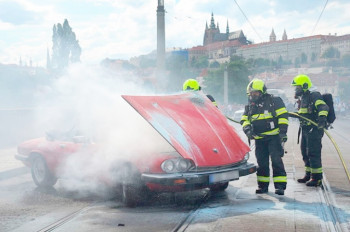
x=176 y=165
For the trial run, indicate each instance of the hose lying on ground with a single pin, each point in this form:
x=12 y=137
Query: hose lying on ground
x=330 y=137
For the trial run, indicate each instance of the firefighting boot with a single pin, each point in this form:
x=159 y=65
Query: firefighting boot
x=279 y=191
x=314 y=183
x=261 y=190
x=306 y=178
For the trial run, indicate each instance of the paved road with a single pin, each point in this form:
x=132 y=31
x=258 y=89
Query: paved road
x=22 y=206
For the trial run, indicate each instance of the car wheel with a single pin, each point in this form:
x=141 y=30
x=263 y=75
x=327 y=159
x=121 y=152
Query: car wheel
x=219 y=187
x=130 y=187
x=40 y=172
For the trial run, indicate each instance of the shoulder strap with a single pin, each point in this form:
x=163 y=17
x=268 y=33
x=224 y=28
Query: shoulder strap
x=310 y=105
x=271 y=103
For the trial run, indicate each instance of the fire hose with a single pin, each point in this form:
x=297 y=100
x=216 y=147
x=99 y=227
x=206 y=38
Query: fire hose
x=327 y=133
x=332 y=140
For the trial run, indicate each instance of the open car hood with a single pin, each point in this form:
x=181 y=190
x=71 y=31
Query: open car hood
x=193 y=126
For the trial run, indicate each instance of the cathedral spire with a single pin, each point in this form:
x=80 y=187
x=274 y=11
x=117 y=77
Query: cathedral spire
x=284 y=36
x=272 y=36
x=212 y=23
x=227 y=28
x=206 y=25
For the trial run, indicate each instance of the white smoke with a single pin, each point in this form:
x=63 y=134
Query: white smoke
x=87 y=103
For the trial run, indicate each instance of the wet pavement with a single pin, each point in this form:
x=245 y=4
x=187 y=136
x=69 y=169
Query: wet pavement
x=302 y=208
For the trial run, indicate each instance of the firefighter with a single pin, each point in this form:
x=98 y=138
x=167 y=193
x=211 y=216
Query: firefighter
x=193 y=85
x=265 y=119
x=311 y=106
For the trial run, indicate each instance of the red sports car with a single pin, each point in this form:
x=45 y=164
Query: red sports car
x=208 y=153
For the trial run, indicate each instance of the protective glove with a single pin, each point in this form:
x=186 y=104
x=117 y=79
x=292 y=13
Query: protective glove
x=321 y=122
x=248 y=130
x=283 y=137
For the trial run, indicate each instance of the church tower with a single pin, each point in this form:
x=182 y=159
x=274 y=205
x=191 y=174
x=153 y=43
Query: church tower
x=227 y=30
x=284 y=36
x=272 y=36
x=211 y=32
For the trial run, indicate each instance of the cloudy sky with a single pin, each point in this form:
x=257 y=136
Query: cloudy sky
x=124 y=28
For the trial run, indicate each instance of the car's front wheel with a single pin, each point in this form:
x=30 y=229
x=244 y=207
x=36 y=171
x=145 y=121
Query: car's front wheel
x=130 y=187
x=219 y=187
x=40 y=172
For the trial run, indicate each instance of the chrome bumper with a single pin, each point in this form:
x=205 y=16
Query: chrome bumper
x=201 y=178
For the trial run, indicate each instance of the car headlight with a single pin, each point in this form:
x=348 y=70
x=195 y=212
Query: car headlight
x=168 y=166
x=182 y=165
x=246 y=157
x=176 y=165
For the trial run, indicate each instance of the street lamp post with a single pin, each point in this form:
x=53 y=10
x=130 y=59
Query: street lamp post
x=225 y=87
x=160 y=35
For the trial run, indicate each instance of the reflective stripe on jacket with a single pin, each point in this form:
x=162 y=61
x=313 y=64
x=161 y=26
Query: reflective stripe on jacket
x=312 y=106
x=267 y=117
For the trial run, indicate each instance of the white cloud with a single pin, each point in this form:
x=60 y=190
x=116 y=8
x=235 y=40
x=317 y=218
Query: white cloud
x=123 y=29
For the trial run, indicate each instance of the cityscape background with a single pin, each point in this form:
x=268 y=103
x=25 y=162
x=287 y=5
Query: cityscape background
x=276 y=41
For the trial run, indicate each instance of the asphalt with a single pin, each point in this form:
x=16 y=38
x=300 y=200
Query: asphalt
x=9 y=166
x=302 y=208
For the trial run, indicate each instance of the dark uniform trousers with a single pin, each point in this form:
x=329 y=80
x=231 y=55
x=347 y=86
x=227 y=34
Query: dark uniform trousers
x=270 y=146
x=311 y=145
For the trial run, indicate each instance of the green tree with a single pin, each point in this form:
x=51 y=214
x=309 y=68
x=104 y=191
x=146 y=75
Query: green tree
x=280 y=61
x=297 y=62
x=303 y=58
x=330 y=53
x=66 y=48
x=344 y=90
x=146 y=62
x=178 y=71
x=313 y=57
x=346 y=60
x=215 y=64
x=237 y=72
x=200 y=62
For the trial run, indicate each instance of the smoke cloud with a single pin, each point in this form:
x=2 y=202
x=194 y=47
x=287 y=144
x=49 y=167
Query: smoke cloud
x=86 y=104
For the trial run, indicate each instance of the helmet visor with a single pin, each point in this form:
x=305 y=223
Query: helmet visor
x=255 y=95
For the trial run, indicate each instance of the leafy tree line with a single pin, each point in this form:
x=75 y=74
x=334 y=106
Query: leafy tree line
x=344 y=90
x=65 y=48
x=238 y=71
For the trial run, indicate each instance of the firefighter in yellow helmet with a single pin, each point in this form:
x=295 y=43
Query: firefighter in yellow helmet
x=193 y=85
x=265 y=119
x=312 y=106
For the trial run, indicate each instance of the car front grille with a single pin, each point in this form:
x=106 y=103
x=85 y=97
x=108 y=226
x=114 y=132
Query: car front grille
x=214 y=168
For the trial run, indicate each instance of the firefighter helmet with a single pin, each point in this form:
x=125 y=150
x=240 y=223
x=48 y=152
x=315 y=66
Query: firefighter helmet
x=256 y=89
x=256 y=85
x=191 y=84
x=303 y=81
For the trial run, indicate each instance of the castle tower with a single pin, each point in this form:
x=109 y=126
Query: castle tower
x=227 y=28
x=284 y=36
x=272 y=36
x=211 y=32
x=160 y=35
x=212 y=22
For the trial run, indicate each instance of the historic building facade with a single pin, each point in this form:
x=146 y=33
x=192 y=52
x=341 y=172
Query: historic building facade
x=217 y=45
x=287 y=50
x=220 y=47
